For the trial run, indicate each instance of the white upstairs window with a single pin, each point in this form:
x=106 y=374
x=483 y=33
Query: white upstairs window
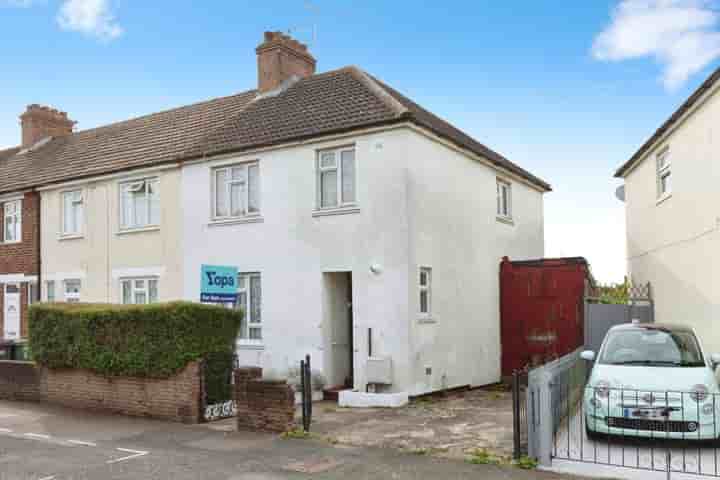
x=237 y=191
x=12 y=221
x=72 y=290
x=72 y=212
x=504 y=200
x=664 y=173
x=336 y=178
x=139 y=291
x=139 y=204
x=425 y=288
x=250 y=300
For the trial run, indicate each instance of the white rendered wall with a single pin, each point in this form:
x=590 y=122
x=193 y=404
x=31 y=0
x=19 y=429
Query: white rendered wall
x=291 y=249
x=455 y=231
x=675 y=244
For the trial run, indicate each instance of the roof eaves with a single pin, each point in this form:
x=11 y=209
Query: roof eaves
x=687 y=105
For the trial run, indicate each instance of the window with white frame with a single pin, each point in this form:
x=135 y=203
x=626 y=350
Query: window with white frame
x=139 y=291
x=72 y=212
x=139 y=203
x=336 y=178
x=425 y=284
x=72 y=290
x=12 y=221
x=237 y=190
x=33 y=293
x=250 y=300
x=50 y=291
x=504 y=199
x=664 y=173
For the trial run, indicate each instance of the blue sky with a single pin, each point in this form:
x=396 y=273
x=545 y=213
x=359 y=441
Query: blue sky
x=568 y=90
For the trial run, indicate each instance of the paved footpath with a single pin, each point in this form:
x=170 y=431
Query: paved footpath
x=41 y=442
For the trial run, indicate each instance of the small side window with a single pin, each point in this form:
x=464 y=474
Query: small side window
x=425 y=289
x=504 y=200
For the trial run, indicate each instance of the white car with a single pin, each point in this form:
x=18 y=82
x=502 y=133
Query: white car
x=652 y=380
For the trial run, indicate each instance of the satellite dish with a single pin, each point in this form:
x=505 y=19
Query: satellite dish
x=620 y=193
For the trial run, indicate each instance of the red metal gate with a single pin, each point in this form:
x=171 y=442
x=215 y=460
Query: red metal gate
x=541 y=310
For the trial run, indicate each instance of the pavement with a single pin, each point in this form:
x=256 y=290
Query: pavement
x=43 y=442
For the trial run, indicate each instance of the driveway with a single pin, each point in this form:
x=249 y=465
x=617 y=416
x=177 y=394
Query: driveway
x=449 y=426
x=42 y=442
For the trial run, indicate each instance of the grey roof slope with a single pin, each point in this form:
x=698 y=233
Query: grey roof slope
x=337 y=101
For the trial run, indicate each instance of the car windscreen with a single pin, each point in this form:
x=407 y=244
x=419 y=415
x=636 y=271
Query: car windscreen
x=652 y=347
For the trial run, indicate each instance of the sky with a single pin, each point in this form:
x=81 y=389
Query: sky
x=567 y=90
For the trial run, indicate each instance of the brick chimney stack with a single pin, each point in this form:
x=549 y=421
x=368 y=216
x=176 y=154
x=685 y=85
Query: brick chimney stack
x=279 y=58
x=39 y=122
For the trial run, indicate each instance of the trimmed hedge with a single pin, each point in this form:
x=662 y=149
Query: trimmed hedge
x=156 y=340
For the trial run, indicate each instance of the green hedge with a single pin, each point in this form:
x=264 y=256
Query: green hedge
x=155 y=340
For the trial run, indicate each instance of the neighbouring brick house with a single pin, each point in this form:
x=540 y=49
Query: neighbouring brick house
x=20 y=230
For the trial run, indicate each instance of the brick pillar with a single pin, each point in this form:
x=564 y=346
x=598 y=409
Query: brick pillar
x=243 y=376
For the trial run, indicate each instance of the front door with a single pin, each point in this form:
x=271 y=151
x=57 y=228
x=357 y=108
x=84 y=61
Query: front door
x=11 y=311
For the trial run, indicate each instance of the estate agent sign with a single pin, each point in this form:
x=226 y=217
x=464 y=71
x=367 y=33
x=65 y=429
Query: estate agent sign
x=218 y=284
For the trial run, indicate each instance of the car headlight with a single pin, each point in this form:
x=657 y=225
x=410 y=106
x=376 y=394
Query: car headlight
x=699 y=393
x=602 y=389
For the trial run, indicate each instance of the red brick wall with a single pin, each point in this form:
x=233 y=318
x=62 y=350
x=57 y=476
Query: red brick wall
x=19 y=381
x=263 y=405
x=22 y=257
x=177 y=398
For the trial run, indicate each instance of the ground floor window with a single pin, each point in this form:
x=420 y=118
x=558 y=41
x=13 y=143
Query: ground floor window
x=33 y=293
x=139 y=291
x=50 y=291
x=250 y=300
x=72 y=290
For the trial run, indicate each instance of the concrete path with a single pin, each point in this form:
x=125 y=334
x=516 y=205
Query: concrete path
x=42 y=442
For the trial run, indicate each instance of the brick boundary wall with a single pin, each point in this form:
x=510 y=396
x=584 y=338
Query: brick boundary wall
x=263 y=405
x=19 y=381
x=178 y=398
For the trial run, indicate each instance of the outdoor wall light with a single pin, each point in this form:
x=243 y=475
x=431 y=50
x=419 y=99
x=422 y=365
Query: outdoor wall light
x=376 y=268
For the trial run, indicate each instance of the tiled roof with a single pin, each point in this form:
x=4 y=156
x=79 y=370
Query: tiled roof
x=141 y=142
x=687 y=105
x=332 y=102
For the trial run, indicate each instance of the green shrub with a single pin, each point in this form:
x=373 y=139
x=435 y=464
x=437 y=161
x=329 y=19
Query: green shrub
x=155 y=340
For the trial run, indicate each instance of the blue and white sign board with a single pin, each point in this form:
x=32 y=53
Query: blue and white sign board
x=218 y=284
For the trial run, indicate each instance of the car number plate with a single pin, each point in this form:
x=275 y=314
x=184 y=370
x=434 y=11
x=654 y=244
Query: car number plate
x=649 y=413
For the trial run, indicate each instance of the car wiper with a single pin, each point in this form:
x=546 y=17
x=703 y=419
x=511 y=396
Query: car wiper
x=649 y=362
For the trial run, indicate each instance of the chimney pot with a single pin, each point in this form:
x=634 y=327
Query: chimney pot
x=281 y=57
x=39 y=122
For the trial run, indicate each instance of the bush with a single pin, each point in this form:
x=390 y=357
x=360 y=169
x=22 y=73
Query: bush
x=155 y=340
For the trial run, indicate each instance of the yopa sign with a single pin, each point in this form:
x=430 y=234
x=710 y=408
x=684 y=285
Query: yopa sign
x=218 y=284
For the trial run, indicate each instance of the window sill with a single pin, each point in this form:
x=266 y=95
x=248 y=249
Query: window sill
x=335 y=211
x=426 y=320
x=70 y=236
x=237 y=220
x=243 y=345
x=127 y=231
x=506 y=220
x=663 y=198
x=11 y=242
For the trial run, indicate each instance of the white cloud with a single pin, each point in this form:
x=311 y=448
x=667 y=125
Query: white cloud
x=682 y=35
x=91 y=17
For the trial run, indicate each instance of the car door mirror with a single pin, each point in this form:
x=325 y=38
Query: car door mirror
x=715 y=360
x=588 y=355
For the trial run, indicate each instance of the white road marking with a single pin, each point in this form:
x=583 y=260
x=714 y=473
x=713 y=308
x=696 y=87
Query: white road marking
x=5 y=430
x=82 y=443
x=51 y=477
x=38 y=435
x=137 y=453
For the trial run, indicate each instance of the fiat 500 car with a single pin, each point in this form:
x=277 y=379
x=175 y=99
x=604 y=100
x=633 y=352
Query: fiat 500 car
x=653 y=381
